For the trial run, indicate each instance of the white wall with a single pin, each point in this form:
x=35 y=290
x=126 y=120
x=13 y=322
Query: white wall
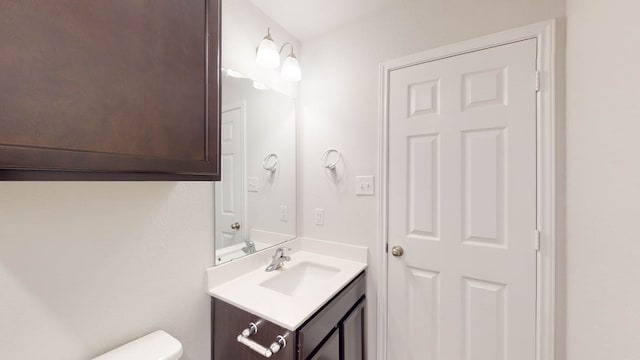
x=87 y=266
x=243 y=27
x=339 y=95
x=603 y=180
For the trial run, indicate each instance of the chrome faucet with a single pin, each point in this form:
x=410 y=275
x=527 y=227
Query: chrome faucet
x=278 y=259
x=250 y=248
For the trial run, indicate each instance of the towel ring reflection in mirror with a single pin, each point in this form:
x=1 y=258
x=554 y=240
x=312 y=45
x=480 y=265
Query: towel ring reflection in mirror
x=324 y=159
x=270 y=162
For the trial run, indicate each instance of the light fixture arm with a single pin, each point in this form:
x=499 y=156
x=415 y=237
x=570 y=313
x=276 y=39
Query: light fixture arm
x=283 y=46
x=268 y=36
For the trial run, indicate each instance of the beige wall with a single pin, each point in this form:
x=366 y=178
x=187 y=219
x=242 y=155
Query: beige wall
x=87 y=266
x=603 y=180
x=339 y=96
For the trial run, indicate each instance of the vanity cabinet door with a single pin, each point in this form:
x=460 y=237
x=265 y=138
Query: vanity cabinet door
x=322 y=323
x=109 y=89
x=352 y=333
x=330 y=350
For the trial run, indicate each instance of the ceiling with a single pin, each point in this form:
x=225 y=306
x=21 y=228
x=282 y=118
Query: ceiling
x=307 y=18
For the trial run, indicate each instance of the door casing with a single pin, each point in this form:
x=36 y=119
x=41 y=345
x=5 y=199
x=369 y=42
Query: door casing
x=547 y=184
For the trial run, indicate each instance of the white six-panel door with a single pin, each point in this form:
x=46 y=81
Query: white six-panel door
x=462 y=205
x=230 y=190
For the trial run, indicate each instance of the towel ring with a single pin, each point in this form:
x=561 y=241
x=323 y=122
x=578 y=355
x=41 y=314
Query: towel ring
x=273 y=166
x=325 y=157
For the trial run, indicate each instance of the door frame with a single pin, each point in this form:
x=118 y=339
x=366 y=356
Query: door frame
x=242 y=106
x=545 y=34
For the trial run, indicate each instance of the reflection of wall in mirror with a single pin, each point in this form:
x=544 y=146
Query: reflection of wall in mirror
x=269 y=128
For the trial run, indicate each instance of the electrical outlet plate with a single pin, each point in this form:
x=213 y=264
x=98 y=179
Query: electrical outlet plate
x=319 y=216
x=365 y=185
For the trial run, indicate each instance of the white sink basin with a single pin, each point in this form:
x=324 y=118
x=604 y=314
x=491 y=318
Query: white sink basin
x=301 y=278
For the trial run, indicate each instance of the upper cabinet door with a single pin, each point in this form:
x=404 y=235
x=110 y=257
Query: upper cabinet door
x=109 y=89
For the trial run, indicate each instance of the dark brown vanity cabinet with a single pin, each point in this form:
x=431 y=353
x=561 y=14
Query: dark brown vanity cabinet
x=335 y=332
x=109 y=89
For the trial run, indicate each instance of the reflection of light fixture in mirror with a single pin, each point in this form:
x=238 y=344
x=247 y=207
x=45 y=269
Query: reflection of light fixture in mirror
x=233 y=73
x=268 y=56
x=260 y=86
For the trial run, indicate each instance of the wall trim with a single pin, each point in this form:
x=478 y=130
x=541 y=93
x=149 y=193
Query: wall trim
x=545 y=34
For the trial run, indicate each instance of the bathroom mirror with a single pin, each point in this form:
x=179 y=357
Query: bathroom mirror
x=255 y=202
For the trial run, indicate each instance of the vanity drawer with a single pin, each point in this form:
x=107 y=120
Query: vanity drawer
x=228 y=322
x=318 y=327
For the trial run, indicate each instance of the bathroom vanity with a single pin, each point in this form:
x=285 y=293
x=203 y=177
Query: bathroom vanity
x=312 y=308
x=334 y=332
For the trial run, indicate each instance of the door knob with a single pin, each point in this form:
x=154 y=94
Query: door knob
x=235 y=226
x=397 y=251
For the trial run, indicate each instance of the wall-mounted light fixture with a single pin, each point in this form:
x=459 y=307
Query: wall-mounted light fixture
x=260 y=86
x=268 y=57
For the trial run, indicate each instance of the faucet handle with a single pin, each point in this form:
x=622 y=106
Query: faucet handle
x=280 y=253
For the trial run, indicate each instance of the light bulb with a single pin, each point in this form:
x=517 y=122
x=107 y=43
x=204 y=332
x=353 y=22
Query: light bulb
x=267 y=55
x=291 y=69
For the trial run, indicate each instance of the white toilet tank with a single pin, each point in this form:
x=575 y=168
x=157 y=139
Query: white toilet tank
x=158 y=345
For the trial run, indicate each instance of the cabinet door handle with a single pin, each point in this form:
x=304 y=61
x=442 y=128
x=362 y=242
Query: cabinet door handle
x=276 y=346
x=255 y=346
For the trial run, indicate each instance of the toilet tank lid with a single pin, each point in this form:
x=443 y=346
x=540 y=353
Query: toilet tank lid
x=158 y=345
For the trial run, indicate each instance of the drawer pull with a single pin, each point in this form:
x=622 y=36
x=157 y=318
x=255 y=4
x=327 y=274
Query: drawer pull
x=276 y=346
x=252 y=329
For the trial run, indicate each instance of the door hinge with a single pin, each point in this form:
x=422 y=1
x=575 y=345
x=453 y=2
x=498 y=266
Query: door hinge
x=538 y=76
x=536 y=240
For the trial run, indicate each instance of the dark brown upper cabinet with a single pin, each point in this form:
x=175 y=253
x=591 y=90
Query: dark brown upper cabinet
x=109 y=89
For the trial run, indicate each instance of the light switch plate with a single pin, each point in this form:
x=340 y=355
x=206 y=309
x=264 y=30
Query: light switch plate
x=319 y=216
x=284 y=213
x=365 y=185
x=253 y=184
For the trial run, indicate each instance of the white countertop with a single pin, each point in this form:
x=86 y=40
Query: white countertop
x=238 y=282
